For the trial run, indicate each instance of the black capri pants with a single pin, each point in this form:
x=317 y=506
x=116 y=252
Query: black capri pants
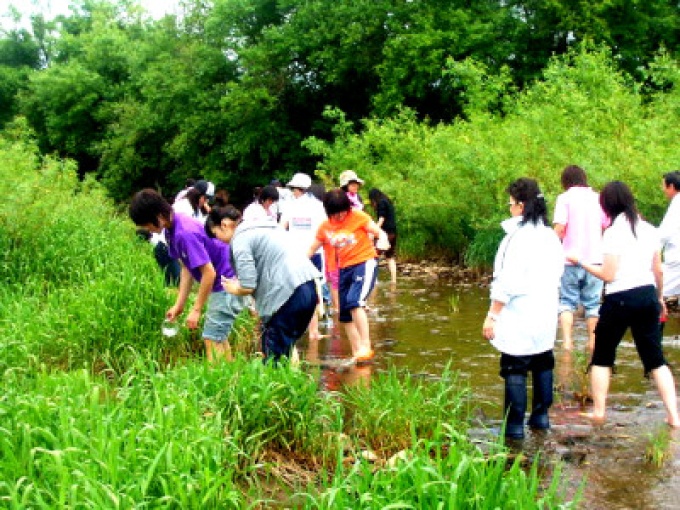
x=639 y=310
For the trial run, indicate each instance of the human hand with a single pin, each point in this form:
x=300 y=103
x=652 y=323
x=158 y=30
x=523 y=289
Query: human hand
x=231 y=285
x=193 y=318
x=173 y=312
x=489 y=328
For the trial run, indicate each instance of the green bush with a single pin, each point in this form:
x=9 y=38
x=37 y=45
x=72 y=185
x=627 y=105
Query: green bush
x=448 y=181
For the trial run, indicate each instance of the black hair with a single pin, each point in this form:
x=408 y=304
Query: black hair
x=375 y=196
x=217 y=214
x=336 y=201
x=318 y=190
x=573 y=175
x=221 y=197
x=194 y=196
x=672 y=179
x=616 y=198
x=526 y=190
x=268 y=193
x=147 y=205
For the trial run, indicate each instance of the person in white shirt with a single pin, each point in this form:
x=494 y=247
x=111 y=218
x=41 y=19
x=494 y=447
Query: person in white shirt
x=263 y=209
x=195 y=202
x=633 y=299
x=669 y=233
x=302 y=217
x=522 y=320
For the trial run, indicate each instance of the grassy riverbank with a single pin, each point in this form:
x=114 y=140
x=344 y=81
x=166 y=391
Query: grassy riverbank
x=97 y=411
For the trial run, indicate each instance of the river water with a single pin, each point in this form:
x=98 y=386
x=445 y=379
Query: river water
x=421 y=324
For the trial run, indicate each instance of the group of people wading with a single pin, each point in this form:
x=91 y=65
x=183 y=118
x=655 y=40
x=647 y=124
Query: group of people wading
x=273 y=259
x=543 y=273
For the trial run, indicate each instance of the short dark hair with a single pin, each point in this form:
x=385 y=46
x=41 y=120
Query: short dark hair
x=268 y=193
x=573 y=175
x=217 y=214
x=672 y=179
x=526 y=190
x=336 y=201
x=616 y=198
x=147 y=205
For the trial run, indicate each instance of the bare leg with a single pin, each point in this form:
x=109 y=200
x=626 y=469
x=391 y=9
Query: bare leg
x=591 y=322
x=217 y=351
x=599 y=381
x=360 y=320
x=335 y=300
x=313 y=328
x=666 y=386
x=392 y=266
x=354 y=338
x=567 y=323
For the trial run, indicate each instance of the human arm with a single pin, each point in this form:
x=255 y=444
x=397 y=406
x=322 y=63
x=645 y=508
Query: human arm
x=657 y=269
x=373 y=228
x=185 y=283
x=233 y=286
x=316 y=244
x=560 y=229
x=605 y=272
x=489 y=326
x=208 y=275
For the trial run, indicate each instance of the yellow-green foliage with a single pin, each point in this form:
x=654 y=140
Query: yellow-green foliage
x=76 y=283
x=448 y=181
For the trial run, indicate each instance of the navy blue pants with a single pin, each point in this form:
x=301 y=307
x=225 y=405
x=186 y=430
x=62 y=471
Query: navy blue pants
x=290 y=322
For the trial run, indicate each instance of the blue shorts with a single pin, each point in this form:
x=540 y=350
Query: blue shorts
x=579 y=286
x=356 y=284
x=289 y=322
x=219 y=317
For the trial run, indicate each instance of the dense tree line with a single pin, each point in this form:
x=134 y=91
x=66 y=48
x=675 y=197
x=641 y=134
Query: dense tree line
x=231 y=88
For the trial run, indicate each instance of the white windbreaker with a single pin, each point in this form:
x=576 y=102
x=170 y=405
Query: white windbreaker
x=527 y=272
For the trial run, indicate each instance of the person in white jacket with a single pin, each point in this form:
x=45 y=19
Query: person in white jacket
x=522 y=319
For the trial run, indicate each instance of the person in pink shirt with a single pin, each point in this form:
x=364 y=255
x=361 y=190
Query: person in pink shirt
x=579 y=222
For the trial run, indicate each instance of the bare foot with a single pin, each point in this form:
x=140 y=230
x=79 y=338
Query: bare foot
x=674 y=424
x=595 y=419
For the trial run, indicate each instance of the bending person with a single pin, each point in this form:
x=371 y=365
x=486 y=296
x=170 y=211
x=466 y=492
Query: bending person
x=203 y=259
x=281 y=280
x=633 y=299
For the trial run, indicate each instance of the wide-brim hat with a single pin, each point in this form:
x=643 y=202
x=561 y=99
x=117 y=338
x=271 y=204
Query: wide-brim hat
x=300 y=180
x=349 y=176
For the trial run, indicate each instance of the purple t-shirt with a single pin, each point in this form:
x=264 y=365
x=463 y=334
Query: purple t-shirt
x=188 y=242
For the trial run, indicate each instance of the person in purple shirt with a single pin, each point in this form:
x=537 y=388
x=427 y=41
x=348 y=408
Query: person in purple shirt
x=202 y=259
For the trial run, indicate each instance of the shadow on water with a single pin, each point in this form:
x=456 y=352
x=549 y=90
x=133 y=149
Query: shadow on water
x=423 y=324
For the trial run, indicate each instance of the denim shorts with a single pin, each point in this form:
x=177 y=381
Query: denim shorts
x=219 y=317
x=579 y=286
x=356 y=283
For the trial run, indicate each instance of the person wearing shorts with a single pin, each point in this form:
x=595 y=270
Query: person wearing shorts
x=633 y=299
x=346 y=238
x=202 y=259
x=282 y=281
x=579 y=222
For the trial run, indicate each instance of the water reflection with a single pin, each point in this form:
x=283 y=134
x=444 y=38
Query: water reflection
x=421 y=325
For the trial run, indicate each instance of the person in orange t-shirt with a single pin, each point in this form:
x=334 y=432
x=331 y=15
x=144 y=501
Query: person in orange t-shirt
x=346 y=235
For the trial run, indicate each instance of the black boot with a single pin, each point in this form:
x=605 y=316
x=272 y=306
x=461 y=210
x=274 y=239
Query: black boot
x=515 y=405
x=543 y=399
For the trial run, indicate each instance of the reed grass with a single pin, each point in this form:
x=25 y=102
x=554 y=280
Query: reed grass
x=97 y=410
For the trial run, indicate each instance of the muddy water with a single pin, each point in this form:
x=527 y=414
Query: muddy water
x=423 y=324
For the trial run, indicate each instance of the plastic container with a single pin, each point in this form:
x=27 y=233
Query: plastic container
x=169 y=328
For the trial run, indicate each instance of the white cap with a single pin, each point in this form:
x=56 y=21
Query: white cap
x=349 y=176
x=299 y=180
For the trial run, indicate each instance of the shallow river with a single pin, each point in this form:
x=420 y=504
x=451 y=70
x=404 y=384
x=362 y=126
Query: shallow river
x=421 y=324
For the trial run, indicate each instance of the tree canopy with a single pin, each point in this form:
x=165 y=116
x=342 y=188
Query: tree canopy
x=230 y=89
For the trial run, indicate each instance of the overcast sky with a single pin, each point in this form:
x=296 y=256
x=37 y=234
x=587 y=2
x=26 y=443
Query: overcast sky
x=52 y=8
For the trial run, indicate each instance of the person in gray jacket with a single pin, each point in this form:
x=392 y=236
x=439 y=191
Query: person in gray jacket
x=282 y=281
